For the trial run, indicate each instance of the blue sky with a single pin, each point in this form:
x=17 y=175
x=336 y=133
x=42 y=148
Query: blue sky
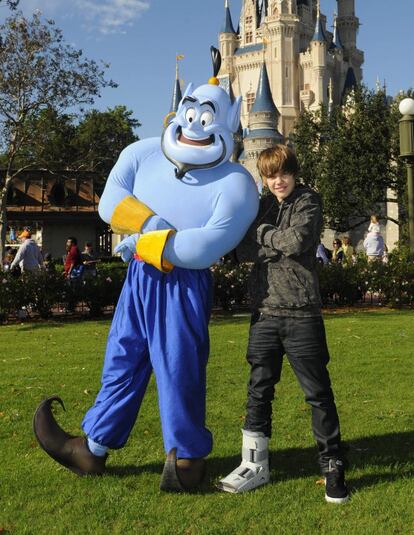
x=140 y=39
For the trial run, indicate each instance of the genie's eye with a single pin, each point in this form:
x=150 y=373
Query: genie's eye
x=206 y=118
x=190 y=115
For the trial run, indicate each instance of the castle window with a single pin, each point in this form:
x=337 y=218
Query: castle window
x=249 y=37
x=275 y=52
x=250 y=96
x=286 y=72
x=249 y=20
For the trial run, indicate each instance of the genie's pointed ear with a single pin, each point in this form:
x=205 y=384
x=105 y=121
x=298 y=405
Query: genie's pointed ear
x=188 y=90
x=233 y=117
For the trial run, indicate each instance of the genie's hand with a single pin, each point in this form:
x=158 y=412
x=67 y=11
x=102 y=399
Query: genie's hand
x=155 y=222
x=127 y=247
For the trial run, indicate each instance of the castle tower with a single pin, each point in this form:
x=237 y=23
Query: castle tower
x=336 y=41
x=263 y=120
x=318 y=48
x=301 y=55
x=347 y=23
x=248 y=22
x=228 y=41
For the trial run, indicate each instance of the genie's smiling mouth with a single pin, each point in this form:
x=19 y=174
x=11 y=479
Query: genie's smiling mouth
x=204 y=142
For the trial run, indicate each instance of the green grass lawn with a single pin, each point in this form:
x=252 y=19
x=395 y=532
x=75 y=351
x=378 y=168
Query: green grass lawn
x=372 y=364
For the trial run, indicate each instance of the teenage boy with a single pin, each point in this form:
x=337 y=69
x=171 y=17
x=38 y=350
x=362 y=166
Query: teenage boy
x=287 y=320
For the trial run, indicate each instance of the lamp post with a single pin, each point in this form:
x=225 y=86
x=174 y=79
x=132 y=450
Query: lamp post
x=406 y=108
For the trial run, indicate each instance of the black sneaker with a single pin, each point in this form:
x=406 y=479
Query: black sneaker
x=335 y=488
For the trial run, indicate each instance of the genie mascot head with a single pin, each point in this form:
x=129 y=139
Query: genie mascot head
x=200 y=134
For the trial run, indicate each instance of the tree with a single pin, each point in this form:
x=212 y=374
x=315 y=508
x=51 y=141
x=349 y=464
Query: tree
x=100 y=137
x=38 y=71
x=91 y=142
x=51 y=144
x=11 y=3
x=349 y=156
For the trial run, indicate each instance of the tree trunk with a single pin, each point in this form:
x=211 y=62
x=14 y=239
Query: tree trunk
x=3 y=222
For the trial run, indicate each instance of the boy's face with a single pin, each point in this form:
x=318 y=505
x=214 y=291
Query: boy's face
x=281 y=185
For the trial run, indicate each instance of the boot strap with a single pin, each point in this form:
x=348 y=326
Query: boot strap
x=254 y=456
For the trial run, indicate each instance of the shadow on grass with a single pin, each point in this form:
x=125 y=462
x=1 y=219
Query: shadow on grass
x=392 y=454
x=134 y=470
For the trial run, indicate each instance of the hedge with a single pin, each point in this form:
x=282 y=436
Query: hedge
x=45 y=293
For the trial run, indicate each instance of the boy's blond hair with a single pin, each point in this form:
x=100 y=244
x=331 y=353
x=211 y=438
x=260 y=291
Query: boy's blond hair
x=279 y=158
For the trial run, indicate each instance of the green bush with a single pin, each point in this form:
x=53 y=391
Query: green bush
x=392 y=283
x=44 y=290
x=13 y=295
x=230 y=284
x=102 y=290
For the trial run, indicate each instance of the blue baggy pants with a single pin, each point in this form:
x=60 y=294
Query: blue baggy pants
x=160 y=324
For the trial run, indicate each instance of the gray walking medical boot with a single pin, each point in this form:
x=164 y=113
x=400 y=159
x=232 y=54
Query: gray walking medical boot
x=254 y=468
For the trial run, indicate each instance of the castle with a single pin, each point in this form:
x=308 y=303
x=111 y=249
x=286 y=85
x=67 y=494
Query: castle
x=283 y=59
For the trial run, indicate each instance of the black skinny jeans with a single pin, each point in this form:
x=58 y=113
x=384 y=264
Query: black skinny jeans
x=303 y=341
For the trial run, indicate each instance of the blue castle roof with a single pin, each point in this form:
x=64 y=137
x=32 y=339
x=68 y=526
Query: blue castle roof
x=350 y=82
x=227 y=26
x=177 y=96
x=319 y=34
x=336 y=41
x=270 y=133
x=264 y=100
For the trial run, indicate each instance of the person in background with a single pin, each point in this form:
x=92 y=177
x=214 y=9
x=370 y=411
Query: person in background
x=374 y=225
x=29 y=257
x=89 y=260
x=374 y=246
x=12 y=235
x=73 y=259
x=321 y=255
x=48 y=264
x=337 y=251
x=348 y=251
x=8 y=258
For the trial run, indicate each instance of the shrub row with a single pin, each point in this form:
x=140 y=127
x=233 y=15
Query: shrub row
x=45 y=291
x=392 y=283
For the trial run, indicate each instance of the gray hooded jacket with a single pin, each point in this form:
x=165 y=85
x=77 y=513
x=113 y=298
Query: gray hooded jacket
x=282 y=243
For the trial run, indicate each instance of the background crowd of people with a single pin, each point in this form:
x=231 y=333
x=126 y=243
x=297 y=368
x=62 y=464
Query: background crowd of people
x=344 y=253
x=28 y=257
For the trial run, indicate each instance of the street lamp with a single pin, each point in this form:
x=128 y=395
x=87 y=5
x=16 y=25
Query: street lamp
x=406 y=108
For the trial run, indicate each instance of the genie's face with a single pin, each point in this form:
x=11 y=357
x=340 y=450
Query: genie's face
x=200 y=135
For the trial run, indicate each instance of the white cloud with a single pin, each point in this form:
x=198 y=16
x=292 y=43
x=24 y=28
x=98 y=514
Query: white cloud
x=111 y=16
x=105 y=16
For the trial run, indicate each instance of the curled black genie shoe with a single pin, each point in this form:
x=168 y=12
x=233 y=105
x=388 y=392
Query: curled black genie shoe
x=68 y=450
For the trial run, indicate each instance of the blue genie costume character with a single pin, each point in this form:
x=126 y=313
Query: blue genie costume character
x=184 y=206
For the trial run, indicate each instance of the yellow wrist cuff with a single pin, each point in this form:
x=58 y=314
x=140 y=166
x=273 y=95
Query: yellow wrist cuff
x=150 y=247
x=129 y=216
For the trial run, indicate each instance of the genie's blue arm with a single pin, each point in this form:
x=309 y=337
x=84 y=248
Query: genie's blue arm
x=118 y=206
x=199 y=248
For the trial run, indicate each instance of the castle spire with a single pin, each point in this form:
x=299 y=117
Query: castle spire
x=264 y=100
x=263 y=11
x=177 y=95
x=319 y=34
x=228 y=23
x=331 y=101
x=336 y=41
